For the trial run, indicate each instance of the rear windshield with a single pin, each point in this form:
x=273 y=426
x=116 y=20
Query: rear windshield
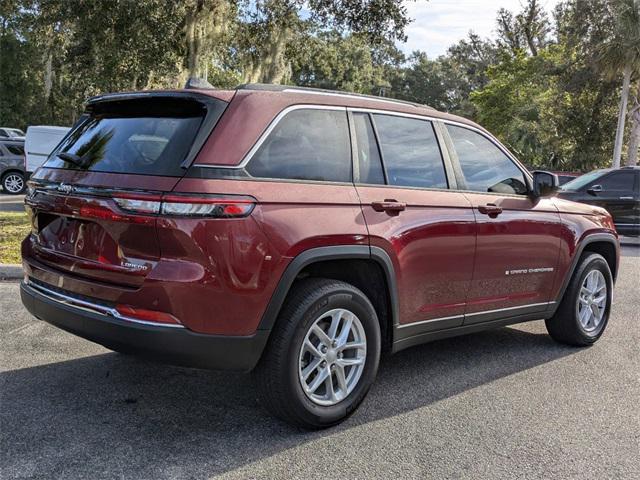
x=149 y=137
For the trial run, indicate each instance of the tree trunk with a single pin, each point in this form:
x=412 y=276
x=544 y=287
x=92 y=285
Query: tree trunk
x=634 y=138
x=274 y=64
x=622 y=114
x=192 y=41
x=48 y=75
x=634 y=144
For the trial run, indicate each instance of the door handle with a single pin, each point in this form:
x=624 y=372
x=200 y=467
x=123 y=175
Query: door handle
x=626 y=198
x=490 y=209
x=390 y=206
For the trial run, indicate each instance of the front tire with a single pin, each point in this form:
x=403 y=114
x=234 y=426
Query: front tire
x=584 y=310
x=322 y=356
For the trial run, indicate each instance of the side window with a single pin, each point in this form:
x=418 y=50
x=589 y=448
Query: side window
x=484 y=166
x=369 y=164
x=15 y=149
x=307 y=144
x=410 y=152
x=622 y=181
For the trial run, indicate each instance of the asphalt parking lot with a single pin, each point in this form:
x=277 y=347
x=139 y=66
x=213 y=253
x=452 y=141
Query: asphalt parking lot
x=11 y=203
x=503 y=404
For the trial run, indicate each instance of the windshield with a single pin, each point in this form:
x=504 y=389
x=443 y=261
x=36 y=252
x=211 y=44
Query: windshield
x=581 y=181
x=14 y=132
x=139 y=138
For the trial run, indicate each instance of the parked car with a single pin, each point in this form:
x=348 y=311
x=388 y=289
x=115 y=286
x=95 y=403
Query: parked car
x=40 y=142
x=566 y=177
x=11 y=134
x=12 y=173
x=299 y=234
x=616 y=190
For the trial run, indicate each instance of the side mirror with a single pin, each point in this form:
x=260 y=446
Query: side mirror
x=594 y=190
x=544 y=183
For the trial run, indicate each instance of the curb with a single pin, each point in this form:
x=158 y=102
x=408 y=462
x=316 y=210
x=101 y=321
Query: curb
x=630 y=241
x=11 y=272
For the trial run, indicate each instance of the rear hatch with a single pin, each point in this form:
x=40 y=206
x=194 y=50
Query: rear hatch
x=94 y=204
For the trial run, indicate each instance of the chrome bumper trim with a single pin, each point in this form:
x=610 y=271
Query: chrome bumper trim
x=89 y=306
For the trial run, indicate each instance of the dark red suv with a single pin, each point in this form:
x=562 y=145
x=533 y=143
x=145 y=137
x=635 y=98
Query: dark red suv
x=300 y=233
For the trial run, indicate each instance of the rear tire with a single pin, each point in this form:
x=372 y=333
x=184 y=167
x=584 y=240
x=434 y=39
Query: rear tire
x=339 y=367
x=582 y=316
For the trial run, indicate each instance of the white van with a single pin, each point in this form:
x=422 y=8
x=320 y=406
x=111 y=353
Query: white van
x=40 y=142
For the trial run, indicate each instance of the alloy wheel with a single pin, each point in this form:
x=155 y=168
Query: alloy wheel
x=332 y=357
x=13 y=183
x=592 y=301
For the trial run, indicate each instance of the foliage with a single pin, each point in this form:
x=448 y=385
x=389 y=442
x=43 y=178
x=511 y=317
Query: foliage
x=548 y=86
x=14 y=227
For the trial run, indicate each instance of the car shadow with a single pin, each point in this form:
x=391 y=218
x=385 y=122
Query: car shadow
x=113 y=415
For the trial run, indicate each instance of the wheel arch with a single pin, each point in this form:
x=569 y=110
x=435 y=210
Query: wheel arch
x=605 y=244
x=328 y=259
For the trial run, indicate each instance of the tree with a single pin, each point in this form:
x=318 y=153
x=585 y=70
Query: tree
x=528 y=29
x=273 y=26
x=634 y=137
x=621 y=54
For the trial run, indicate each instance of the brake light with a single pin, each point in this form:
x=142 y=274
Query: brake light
x=207 y=206
x=141 y=208
x=146 y=315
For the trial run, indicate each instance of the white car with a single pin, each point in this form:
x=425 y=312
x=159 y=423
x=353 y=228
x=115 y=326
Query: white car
x=40 y=142
x=11 y=134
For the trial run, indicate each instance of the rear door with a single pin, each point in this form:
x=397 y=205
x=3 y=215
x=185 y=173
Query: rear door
x=518 y=238
x=428 y=230
x=94 y=202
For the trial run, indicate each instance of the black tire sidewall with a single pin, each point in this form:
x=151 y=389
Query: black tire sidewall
x=592 y=262
x=362 y=308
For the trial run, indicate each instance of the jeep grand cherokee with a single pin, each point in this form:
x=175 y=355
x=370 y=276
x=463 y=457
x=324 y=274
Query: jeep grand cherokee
x=300 y=233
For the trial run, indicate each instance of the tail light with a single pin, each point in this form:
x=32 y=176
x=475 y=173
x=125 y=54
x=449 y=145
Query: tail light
x=138 y=203
x=213 y=206
x=142 y=208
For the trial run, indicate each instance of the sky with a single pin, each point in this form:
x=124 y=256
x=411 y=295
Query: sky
x=440 y=23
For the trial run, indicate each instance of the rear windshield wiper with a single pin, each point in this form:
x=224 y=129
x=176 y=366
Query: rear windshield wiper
x=72 y=158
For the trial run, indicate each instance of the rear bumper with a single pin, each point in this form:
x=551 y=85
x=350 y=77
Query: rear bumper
x=178 y=346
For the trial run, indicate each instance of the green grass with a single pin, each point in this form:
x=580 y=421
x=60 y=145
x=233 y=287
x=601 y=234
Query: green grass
x=14 y=226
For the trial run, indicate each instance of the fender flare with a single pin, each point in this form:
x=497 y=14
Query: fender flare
x=320 y=254
x=589 y=239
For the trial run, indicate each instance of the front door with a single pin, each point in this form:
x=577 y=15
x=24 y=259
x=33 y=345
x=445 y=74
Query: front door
x=427 y=229
x=518 y=238
x=617 y=192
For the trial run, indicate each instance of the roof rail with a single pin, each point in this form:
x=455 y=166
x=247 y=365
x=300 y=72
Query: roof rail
x=321 y=91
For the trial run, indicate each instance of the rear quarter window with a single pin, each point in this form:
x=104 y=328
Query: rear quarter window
x=15 y=149
x=306 y=144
